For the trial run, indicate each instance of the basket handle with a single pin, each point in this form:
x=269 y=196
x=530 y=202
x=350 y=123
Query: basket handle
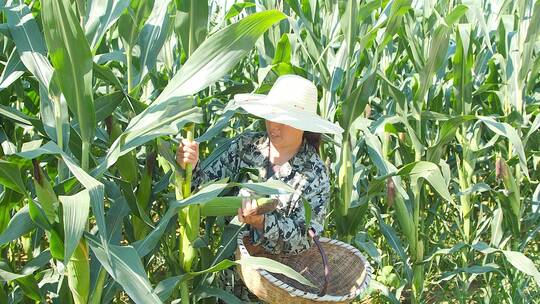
x=315 y=238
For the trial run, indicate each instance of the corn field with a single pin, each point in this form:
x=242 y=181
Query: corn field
x=436 y=178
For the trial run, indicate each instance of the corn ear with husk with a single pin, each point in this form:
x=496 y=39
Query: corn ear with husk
x=144 y=191
x=465 y=199
x=345 y=178
x=95 y=298
x=49 y=204
x=228 y=206
x=417 y=245
x=78 y=273
x=512 y=203
x=403 y=215
x=78 y=268
x=347 y=219
x=127 y=163
x=45 y=193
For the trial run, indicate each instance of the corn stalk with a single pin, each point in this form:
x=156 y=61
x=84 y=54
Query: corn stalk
x=189 y=221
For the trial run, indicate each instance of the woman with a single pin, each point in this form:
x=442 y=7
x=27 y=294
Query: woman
x=287 y=151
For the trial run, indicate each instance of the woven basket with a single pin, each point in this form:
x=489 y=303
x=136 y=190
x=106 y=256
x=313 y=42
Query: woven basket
x=348 y=277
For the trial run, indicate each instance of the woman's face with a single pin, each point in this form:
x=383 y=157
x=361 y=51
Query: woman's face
x=283 y=136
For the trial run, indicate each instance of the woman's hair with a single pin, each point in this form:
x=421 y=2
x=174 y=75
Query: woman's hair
x=313 y=139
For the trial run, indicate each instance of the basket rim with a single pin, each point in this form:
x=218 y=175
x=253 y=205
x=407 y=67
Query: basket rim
x=368 y=270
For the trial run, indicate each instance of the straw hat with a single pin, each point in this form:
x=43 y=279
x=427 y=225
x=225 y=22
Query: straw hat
x=292 y=100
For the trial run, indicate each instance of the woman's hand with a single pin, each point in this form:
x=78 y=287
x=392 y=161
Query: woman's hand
x=187 y=153
x=248 y=214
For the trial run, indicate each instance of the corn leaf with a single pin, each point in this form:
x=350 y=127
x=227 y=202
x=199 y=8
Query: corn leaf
x=496 y=227
x=436 y=57
x=30 y=43
x=152 y=37
x=431 y=173
x=475 y=269
x=30 y=267
x=124 y=266
x=76 y=209
x=146 y=245
x=506 y=130
x=19 y=225
x=191 y=24
x=204 y=292
x=267 y=188
x=72 y=60
x=523 y=264
x=33 y=53
x=219 y=125
x=533 y=31
x=12 y=71
x=117 y=212
x=101 y=15
x=165 y=288
x=237 y=8
x=157 y=120
x=106 y=104
x=445 y=251
x=10 y=176
x=95 y=188
x=274 y=267
x=218 y=54
x=16 y=115
x=392 y=239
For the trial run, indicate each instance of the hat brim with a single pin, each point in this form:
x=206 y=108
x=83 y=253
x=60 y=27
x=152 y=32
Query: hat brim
x=260 y=106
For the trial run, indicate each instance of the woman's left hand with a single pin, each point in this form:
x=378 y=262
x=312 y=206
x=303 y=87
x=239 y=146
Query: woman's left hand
x=248 y=214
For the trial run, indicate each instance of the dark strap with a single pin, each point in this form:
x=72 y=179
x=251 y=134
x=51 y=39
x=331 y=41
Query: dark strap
x=315 y=238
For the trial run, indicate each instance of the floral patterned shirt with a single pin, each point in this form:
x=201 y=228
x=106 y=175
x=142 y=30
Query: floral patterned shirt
x=285 y=228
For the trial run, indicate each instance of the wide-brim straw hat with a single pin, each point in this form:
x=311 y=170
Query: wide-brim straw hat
x=292 y=101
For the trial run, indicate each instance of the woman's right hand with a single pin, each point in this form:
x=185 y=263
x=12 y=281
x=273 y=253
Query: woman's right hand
x=187 y=153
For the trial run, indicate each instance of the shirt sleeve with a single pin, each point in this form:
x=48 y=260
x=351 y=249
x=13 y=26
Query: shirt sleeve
x=288 y=233
x=224 y=165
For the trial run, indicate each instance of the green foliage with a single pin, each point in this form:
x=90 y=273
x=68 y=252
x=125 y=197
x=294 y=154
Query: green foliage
x=436 y=177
